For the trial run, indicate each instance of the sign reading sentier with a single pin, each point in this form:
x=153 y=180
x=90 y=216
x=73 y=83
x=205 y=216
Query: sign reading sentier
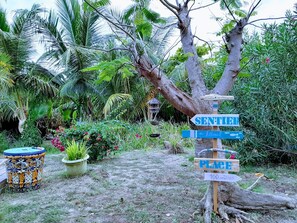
x=216 y=120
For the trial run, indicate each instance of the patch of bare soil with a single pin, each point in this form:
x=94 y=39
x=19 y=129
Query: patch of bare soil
x=137 y=186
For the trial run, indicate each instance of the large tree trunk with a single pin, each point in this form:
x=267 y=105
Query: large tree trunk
x=234 y=201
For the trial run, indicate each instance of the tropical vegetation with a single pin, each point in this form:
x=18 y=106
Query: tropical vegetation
x=87 y=77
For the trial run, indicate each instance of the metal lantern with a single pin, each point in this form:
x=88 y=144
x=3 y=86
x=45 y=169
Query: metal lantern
x=153 y=108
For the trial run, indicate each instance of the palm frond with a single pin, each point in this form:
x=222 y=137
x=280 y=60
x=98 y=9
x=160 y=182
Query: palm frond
x=3 y=21
x=113 y=99
x=5 y=75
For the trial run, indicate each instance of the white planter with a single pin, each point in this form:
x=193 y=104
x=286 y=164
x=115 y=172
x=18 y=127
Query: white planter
x=76 y=167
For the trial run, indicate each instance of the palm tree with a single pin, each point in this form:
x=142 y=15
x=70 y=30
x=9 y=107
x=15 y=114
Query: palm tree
x=70 y=37
x=30 y=80
x=117 y=76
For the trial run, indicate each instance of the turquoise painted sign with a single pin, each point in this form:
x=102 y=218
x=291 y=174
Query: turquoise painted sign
x=204 y=134
x=216 y=120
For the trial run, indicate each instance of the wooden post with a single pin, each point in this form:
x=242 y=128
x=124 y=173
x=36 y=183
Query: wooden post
x=215 y=107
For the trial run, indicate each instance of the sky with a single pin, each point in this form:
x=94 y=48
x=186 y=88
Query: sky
x=202 y=24
x=205 y=26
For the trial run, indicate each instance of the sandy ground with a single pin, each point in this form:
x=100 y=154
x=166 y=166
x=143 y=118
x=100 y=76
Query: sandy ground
x=137 y=186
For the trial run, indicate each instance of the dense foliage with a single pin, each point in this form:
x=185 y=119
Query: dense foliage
x=266 y=101
x=4 y=144
x=81 y=83
x=31 y=135
x=101 y=137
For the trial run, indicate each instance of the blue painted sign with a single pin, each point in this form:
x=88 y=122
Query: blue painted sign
x=204 y=134
x=216 y=120
x=230 y=165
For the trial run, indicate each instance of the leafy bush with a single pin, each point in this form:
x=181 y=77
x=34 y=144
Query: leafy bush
x=101 y=138
x=266 y=101
x=4 y=144
x=30 y=136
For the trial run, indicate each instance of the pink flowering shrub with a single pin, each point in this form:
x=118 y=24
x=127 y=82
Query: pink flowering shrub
x=101 y=138
x=56 y=142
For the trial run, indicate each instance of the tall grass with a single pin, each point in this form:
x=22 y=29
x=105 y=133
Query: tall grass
x=138 y=136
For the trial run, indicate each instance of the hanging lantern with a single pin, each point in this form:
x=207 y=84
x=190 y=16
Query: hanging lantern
x=153 y=108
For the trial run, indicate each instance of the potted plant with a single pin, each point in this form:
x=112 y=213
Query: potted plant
x=76 y=158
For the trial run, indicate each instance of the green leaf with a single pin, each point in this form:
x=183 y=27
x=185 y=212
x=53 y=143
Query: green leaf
x=138 y=18
x=126 y=72
x=241 y=13
x=96 y=4
x=108 y=69
x=184 y=56
x=145 y=29
x=151 y=15
x=244 y=75
x=228 y=27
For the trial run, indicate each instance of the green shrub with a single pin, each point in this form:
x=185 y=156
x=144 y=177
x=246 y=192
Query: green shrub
x=4 y=144
x=30 y=136
x=101 y=138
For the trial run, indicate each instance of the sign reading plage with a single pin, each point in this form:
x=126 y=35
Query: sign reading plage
x=229 y=165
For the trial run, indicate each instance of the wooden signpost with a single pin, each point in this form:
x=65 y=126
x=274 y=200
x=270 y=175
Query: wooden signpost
x=215 y=164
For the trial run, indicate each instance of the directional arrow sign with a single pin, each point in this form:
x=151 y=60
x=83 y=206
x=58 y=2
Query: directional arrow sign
x=216 y=120
x=217 y=97
x=204 y=134
x=222 y=177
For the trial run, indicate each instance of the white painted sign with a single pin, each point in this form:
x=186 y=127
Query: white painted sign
x=222 y=177
x=216 y=120
x=217 y=97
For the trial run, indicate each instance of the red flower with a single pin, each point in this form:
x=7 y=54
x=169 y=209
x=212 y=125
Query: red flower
x=116 y=147
x=232 y=156
x=138 y=136
x=267 y=60
x=86 y=133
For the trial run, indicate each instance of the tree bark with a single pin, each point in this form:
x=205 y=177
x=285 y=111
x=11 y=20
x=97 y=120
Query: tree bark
x=179 y=99
x=232 y=68
x=232 y=195
x=233 y=199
